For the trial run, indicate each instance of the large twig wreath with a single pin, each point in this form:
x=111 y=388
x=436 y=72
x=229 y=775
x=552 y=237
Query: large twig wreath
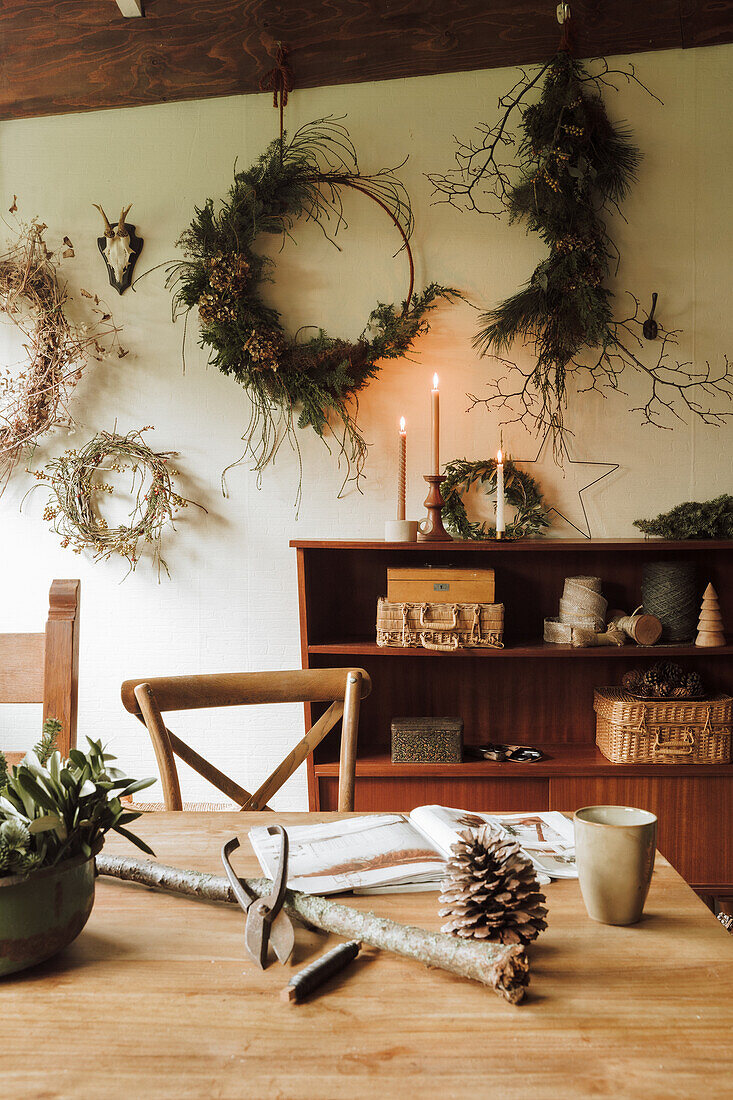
x=74 y=484
x=312 y=382
x=520 y=490
x=32 y=298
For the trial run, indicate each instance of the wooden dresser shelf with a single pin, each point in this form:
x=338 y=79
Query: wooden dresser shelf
x=365 y=648
x=522 y=546
x=527 y=693
x=559 y=760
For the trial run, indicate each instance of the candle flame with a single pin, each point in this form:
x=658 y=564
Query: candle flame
x=402 y=423
x=499 y=457
x=435 y=381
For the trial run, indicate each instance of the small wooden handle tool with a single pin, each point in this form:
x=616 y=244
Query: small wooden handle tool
x=309 y=979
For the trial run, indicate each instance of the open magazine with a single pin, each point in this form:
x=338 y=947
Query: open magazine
x=391 y=850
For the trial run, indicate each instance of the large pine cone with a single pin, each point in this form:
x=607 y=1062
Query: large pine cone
x=664 y=676
x=492 y=890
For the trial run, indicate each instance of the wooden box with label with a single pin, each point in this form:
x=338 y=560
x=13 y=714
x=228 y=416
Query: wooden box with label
x=426 y=584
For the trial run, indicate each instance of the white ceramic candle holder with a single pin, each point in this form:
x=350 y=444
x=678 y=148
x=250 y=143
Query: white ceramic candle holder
x=400 y=530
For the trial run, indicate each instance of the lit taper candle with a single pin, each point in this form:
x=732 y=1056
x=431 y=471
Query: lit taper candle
x=500 y=526
x=401 y=477
x=435 y=407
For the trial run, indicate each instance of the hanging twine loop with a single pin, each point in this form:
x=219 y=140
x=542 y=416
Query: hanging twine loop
x=563 y=17
x=279 y=81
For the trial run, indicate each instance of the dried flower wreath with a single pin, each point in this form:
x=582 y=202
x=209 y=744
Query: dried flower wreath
x=71 y=510
x=33 y=299
x=314 y=380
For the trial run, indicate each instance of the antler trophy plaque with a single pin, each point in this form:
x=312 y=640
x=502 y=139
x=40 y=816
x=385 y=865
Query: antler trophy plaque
x=120 y=248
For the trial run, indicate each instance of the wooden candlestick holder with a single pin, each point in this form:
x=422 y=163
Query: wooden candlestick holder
x=432 y=529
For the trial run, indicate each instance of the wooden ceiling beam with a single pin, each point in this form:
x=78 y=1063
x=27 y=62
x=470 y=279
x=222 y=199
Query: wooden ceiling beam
x=65 y=55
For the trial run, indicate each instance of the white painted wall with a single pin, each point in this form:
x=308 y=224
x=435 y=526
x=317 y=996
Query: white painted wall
x=231 y=603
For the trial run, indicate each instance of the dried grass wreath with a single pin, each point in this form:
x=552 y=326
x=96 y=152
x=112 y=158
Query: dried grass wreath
x=73 y=482
x=34 y=300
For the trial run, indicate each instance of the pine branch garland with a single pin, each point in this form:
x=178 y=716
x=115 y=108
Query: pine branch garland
x=569 y=169
x=711 y=519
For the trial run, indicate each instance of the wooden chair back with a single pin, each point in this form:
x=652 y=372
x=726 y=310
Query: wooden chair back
x=343 y=688
x=44 y=668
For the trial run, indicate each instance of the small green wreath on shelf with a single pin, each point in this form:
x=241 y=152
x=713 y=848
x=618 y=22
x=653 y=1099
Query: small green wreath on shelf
x=312 y=381
x=520 y=490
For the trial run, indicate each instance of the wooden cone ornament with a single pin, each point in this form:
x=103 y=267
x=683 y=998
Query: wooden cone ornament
x=710 y=623
x=491 y=891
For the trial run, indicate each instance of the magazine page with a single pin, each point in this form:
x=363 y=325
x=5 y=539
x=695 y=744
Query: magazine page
x=547 y=837
x=334 y=856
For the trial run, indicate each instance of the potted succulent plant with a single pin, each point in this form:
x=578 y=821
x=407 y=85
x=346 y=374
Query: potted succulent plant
x=54 y=814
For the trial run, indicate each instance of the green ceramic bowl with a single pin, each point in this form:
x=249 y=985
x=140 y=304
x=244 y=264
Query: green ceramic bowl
x=42 y=912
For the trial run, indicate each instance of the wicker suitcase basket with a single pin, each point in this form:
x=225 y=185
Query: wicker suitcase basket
x=442 y=626
x=669 y=731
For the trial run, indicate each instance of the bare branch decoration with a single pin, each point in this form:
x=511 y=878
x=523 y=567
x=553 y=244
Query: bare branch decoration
x=504 y=968
x=556 y=162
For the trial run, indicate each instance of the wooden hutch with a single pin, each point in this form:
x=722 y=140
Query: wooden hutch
x=526 y=693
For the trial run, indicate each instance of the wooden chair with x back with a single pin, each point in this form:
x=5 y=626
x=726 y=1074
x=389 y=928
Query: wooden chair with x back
x=44 y=667
x=342 y=688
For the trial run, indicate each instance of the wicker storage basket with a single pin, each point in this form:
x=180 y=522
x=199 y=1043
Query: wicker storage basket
x=669 y=731
x=443 y=626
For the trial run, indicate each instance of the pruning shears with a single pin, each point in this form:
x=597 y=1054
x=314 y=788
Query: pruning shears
x=266 y=921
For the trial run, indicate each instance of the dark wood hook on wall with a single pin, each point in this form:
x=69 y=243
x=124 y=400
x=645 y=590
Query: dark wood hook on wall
x=650 y=327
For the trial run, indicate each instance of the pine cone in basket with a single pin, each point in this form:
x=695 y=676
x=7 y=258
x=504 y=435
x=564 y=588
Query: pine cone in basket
x=633 y=681
x=492 y=890
x=664 y=680
x=664 y=677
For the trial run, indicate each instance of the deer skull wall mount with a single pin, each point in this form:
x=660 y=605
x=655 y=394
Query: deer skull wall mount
x=120 y=248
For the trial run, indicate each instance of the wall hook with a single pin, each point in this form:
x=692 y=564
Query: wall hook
x=650 y=327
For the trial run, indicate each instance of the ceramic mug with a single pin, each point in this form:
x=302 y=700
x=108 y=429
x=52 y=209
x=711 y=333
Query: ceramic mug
x=614 y=852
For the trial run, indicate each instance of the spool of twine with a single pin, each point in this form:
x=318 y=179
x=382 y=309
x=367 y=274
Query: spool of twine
x=669 y=591
x=642 y=629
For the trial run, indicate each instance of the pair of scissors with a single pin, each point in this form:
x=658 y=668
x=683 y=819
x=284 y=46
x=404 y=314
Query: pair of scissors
x=266 y=921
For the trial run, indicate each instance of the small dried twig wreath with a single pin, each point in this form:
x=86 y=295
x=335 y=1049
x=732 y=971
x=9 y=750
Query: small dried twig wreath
x=313 y=381
x=33 y=299
x=521 y=491
x=72 y=479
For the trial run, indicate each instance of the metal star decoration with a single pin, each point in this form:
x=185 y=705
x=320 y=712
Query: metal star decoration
x=564 y=455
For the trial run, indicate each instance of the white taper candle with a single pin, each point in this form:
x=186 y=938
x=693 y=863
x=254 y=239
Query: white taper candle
x=500 y=525
x=435 y=408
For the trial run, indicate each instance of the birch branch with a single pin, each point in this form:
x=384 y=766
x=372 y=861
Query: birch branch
x=504 y=968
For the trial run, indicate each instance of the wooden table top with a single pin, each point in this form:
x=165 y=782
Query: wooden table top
x=155 y=1000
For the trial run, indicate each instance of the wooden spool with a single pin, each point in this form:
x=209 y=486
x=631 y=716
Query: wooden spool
x=642 y=629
